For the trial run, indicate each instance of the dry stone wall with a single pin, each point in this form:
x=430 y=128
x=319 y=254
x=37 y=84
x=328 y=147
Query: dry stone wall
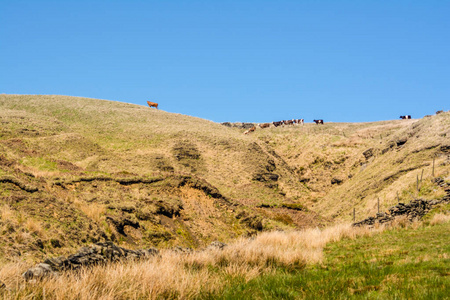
x=414 y=210
x=99 y=253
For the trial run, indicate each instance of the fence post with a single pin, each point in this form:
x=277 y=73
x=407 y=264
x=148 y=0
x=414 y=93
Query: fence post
x=398 y=198
x=417 y=183
x=378 y=204
x=354 y=216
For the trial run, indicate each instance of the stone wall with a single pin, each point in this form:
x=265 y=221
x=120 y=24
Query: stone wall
x=99 y=253
x=414 y=210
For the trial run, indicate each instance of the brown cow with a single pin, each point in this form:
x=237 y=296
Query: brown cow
x=289 y=122
x=276 y=124
x=318 y=122
x=152 y=104
x=250 y=130
x=264 y=125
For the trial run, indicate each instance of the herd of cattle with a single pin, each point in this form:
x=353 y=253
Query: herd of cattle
x=298 y=122
x=263 y=125
x=301 y=121
x=281 y=123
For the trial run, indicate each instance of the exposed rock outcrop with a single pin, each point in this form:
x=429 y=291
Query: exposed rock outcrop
x=122 y=181
x=26 y=187
x=252 y=221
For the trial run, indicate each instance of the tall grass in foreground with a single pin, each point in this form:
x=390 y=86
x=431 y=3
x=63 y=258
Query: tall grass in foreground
x=410 y=262
x=178 y=275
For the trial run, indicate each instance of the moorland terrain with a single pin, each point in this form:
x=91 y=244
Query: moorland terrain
x=76 y=171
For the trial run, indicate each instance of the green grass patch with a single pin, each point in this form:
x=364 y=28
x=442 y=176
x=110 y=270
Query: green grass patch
x=397 y=264
x=40 y=163
x=443 y=208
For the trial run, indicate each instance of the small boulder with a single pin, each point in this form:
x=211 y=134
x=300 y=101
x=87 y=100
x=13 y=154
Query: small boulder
x=368 y=153
x=40 y=271
x=336 y=181
x=57 y=263
x=182 y=250
x=266 y=177
x=217 y=245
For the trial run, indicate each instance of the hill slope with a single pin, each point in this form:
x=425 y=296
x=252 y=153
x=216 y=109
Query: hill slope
x=352 y=165
x=76 y=170
x=101 y=170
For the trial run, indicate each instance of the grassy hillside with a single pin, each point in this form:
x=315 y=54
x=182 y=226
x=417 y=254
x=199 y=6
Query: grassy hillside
x=352 y=165
x=75 y=171
x=138 y=176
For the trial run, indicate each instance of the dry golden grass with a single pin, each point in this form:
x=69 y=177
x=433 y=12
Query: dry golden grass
x=94 y=211
x=7 y=214
x=175 y=275
x=336 y=151
x=439 y=219
x=34 y=227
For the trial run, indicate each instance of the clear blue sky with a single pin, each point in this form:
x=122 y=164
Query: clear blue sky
x=260 y=61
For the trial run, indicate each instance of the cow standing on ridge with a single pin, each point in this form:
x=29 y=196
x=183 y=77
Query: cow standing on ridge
x=289 y=122
x=152 y=104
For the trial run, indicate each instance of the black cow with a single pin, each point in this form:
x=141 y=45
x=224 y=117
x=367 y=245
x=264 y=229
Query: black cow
x=407 y=117
x=318 y=122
